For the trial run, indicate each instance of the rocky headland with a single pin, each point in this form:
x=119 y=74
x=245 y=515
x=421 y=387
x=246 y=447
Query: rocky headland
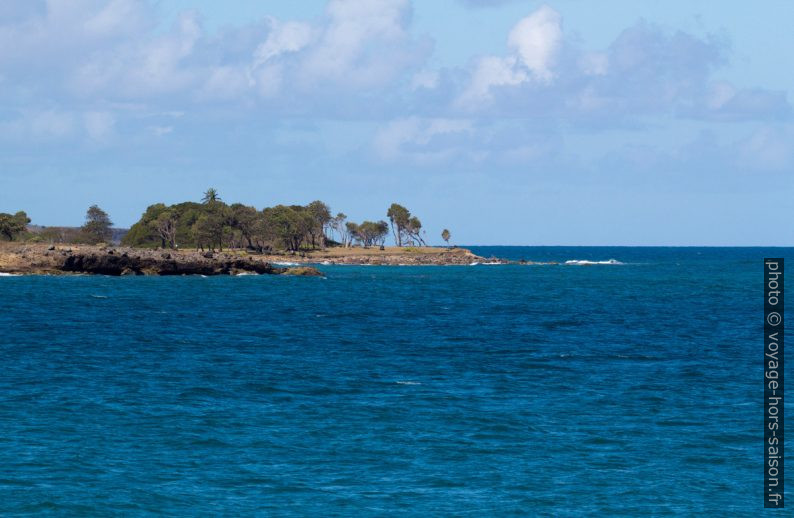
x=20 y=258
x=117 y=261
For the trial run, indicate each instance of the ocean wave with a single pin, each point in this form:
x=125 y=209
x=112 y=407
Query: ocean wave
x=285 y=263
x=588 y=263
x=9 y=274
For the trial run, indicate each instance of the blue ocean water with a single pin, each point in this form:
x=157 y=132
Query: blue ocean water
x=557 y=390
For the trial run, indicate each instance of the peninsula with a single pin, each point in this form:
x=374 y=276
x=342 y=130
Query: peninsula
x=211 y=237
x=43 y=259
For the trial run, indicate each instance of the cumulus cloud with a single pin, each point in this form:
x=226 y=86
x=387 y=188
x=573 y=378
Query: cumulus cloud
x=283 y=38
x=645 y=72
x=534 y=43
x=357 y=46
x=92 y=68
x=536 y=39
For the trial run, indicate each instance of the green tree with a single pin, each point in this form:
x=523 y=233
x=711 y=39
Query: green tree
x=372 y=233
x=412 y=231
x=244 y=218
x=289 y=224
x=13 y=225
x=352 y=232
x=338 y=225
x=210 y=196
x=399 y=217
x=96 y=228
x=218 y=221
x=445 y=235
x=166 y=226
x=204 y=232
x=321 y=217
x=143 y=232
x=261 y=232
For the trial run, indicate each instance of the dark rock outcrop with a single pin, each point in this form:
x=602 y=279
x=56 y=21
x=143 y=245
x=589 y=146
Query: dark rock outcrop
x=147 y=263
x=304 y=271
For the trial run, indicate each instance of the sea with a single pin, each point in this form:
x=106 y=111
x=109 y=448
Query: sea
x=616 y=382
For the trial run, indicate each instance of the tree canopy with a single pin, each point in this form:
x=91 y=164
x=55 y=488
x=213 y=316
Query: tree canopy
x=13 y=225
x=214 y=224
x=211 y=223
x=96 y=228
x=405 y=227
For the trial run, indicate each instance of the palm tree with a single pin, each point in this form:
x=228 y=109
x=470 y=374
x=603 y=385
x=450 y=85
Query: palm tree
x=210 y=196
x=445 y=235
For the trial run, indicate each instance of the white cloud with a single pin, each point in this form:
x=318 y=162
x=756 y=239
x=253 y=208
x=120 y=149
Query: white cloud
x=116 y=18
x=536 y=39
x=89 y=68
x=491 y=71
x=284 y=38
x=364 y=43
x=534 y=42
x=143 y=67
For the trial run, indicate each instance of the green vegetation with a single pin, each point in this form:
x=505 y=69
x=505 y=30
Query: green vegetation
x=212 y=224
x=369 y=233
x=97 y=226
x=12 y=226
x=406 y=228
x=445 y=235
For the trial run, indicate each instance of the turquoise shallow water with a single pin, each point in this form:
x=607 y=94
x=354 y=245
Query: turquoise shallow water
x=463 y=390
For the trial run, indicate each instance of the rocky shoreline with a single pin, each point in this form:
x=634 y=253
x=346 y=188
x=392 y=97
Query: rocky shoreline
x=118 y=261
x=39 y=259
x=393 y=257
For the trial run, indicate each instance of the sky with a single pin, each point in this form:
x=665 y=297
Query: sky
x=508 y=122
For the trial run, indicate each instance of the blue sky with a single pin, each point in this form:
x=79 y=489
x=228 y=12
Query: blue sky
x=508 y=122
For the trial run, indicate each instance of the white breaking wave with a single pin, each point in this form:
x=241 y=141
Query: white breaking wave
x=9 y=274
x=585 y=263
x=285 y=264
x=474 y=264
